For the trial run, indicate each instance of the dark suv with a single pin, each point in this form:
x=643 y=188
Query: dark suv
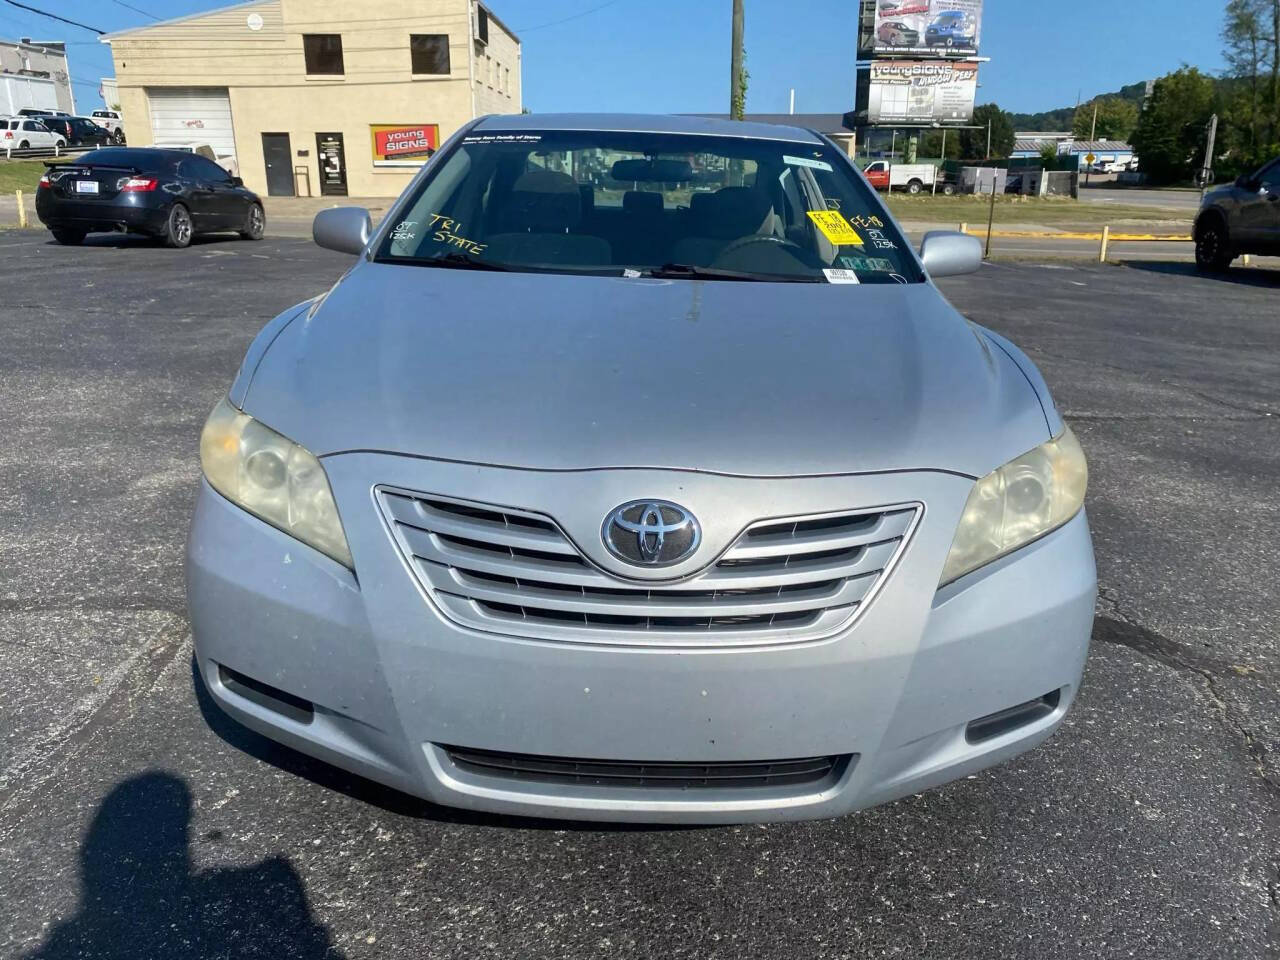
x=79 y=132
x=1241 y=218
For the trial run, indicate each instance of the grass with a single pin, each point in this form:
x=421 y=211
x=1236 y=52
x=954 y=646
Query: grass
x=20 y=175
x=1048 y=211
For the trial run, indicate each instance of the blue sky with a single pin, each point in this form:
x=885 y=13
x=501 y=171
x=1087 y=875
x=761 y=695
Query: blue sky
x=657 y=56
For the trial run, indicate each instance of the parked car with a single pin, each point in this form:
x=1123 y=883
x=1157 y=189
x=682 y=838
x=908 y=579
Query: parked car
x=952 y=28
x=911 y=177
x=28 y=133
x=79 y=131
x=110 y=119
x=38 y=112
x=1243 y=217
x=162 y=193
x=741 y=521
x=895 y=33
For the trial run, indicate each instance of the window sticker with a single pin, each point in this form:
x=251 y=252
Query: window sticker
x=835 y=227
x=867 y=264
x=504 y=138
x=840 y=276
x=806 y=162
x=450 y=232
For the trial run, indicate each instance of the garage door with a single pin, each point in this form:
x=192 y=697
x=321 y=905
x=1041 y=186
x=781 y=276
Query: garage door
x=187 y=114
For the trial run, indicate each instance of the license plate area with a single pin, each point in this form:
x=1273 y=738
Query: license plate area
x=86 y=186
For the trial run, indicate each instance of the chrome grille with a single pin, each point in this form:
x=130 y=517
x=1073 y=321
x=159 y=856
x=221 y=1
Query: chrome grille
x=515 y=572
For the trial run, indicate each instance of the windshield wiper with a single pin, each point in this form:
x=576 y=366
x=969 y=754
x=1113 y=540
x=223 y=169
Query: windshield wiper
x=456 y=261
x=690 y=272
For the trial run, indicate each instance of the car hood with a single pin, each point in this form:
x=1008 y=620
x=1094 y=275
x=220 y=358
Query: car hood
x=562 y=372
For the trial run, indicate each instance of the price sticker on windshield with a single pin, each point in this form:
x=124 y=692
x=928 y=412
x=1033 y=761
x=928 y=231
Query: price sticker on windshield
x=836 y=228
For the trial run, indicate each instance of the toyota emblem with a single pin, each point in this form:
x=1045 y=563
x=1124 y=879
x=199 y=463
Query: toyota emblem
x=651 y=533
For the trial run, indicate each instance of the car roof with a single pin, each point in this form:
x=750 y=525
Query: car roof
x=645 y=123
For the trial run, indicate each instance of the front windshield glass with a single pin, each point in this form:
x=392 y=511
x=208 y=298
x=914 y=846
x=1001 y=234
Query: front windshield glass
x=687 y=207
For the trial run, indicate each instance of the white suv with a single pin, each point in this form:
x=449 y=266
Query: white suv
x=22 y=133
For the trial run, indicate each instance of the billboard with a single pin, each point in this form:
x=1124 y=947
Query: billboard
x=401 y=145
x=939 y=28
x=921 y=91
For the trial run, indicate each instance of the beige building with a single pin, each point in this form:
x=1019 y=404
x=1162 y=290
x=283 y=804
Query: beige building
x=318 y=97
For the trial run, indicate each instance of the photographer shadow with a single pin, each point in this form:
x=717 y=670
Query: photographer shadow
x=141 y=897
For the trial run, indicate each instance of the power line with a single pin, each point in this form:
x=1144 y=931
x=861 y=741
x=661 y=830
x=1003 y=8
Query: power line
x=127 y=6
x=54 y=16
x=556 y=23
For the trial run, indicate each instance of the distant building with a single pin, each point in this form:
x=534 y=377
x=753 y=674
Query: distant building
x=44 y=59
x=1065 y=144
x=318 y=97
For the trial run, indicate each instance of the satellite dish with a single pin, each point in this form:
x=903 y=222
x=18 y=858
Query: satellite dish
x=254 y=21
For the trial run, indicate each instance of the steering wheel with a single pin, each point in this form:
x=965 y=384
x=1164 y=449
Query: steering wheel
x=742 y=242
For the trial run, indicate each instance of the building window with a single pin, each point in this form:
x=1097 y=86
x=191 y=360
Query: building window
x=506 y=74
x=323 y=53
x=430 y=53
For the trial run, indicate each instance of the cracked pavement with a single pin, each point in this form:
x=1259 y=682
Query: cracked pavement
x=137 y=821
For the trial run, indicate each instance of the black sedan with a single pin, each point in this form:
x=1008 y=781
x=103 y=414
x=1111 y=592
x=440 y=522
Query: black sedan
x=169 y=194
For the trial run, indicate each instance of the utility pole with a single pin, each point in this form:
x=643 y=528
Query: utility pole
x=1206 y=172
x=793 y=101
x=735 y=64
x=988 y=138
x=1093 y=131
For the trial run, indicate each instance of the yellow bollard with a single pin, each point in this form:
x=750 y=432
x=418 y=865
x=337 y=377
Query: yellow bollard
x=22 y=210
x=1106 y=237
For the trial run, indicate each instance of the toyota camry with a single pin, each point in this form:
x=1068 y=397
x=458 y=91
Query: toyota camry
x=637 y=470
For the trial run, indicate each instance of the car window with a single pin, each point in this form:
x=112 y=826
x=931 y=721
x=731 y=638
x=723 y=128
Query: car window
x=199 y=168
x=1270 y=177
x=610 y=202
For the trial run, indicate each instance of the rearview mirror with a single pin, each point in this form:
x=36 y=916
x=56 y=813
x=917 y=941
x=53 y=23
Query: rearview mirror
x=659 y=170
x=345 y=229
x=947 y=253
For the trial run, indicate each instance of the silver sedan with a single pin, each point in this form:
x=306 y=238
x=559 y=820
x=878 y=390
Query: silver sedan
x=637 y=470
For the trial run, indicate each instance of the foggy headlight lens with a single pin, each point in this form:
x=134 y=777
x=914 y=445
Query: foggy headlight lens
x=273 y=478
x=1025 y=499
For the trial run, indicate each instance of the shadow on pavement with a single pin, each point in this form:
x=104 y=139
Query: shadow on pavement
x=1245 y=276
x=139 y=240
x=375 y=794
x=141 y=898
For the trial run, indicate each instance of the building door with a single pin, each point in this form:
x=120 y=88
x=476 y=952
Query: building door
x=189 y=115
x=333 y=165
x=279 y=159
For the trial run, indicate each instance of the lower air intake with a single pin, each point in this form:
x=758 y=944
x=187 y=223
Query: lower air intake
x=816 y=772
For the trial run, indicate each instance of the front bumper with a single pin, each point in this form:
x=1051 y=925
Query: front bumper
x=389 y=679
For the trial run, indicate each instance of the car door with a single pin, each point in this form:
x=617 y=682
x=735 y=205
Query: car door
x=35 y=134
x=1256 y=223
x=227 y=203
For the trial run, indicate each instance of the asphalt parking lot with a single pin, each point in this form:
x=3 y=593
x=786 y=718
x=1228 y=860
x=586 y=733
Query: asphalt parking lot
x=136 y=821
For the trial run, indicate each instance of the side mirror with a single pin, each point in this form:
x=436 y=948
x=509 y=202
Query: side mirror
x=237 y=182
x=345 y=229
x=947 y=253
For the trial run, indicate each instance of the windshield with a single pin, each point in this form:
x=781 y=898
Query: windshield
x=688 y=207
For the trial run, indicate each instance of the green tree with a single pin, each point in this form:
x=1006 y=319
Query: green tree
x=1170 y=136
x=1116 y=119
x=1049 y=155
x=973 y=143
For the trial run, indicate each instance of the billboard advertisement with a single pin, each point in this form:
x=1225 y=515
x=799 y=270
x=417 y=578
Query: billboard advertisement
x=921 y=91
x=938 y=28
x=398 y=145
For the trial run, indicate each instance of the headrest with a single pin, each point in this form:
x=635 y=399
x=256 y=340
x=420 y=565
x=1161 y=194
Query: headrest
x=737 y=211
x=642 y=201
x=544 y=201
x=587 y=194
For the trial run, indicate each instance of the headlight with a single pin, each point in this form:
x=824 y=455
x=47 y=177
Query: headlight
x=1026 y=498
x=273 y=478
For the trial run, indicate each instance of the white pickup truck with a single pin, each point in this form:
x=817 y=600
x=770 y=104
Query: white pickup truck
x=912 y=177
x=111 y=120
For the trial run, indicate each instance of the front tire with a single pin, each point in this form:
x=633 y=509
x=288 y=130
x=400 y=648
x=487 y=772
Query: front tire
x=69 y=238
x=255 y=223
x=1213 y=247
x=178 y=229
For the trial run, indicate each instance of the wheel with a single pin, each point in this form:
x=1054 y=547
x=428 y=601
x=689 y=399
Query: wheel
x=255 y=223
x=177 y=232
x=914 y=186
x=69 y=238
x=948 y=189
x=24 y=145
x=1213 y=247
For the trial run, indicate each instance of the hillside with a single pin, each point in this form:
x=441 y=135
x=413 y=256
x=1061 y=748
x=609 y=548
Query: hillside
x=1061 y=118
